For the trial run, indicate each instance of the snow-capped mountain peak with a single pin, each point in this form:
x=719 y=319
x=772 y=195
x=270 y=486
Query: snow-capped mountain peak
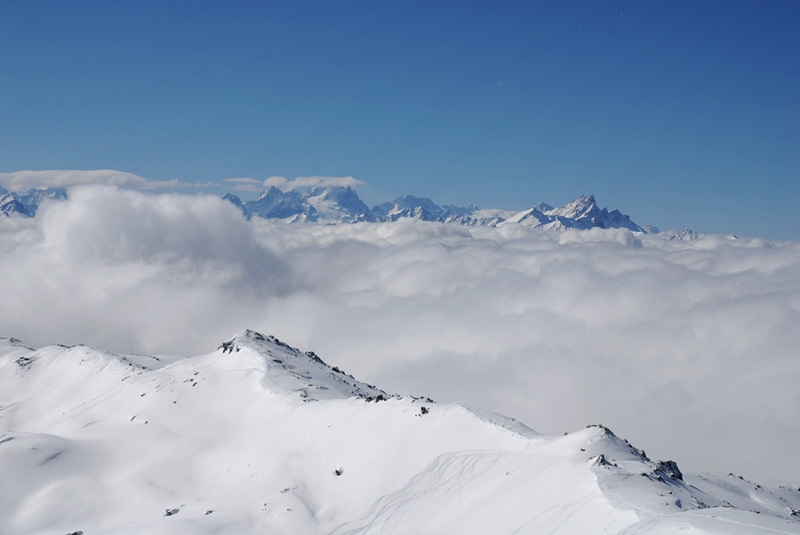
x=412 y=207
x=582 y=207
x=287 y=369
x=10 y=205
x=27 y=204
x=582 y=213
x=686 y=234
x=337 y=204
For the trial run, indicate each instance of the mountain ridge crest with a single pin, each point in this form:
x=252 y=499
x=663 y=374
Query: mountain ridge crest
x=334 y=204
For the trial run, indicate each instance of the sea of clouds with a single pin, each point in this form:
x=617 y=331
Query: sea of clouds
x=689 y=349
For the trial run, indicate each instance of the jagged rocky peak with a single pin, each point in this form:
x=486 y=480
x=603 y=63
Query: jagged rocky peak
x=233 y=199
x=319 y=203
x=600 y=440
x=287 y=369
x=257 y=342
x=410 y=201
x=34 y=197
x=345 y=196
x=584 y=213
x=28 y=203
x=583 y=206
x=9 y=205
x=423 y=208
x=276 y=204
x=409 y=206
x=686 y=234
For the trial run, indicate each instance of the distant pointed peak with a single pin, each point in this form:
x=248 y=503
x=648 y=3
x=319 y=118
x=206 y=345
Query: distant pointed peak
x=272 y=190
x=583 y=200
x=686 y=234
x=579 y=208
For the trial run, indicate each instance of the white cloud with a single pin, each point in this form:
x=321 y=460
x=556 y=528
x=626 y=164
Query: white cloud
x=244 y=184
x=689 y=349
x=109 y=261
x=309 y=182
x=22 y=181
x=25 y=180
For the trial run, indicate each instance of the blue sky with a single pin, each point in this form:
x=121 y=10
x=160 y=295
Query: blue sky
x=678 y=113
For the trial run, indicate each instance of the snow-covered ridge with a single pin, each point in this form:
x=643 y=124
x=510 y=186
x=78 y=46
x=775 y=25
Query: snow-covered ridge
x=229 y=442
x=287 y=369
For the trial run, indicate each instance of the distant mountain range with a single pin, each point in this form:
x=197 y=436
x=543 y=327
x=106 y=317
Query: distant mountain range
x=341 y=204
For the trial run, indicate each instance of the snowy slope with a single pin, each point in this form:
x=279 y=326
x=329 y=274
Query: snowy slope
x=582 y=213
x=481 y=218
x=258 y=437
x=10 y=204
x=421 y=208
x=318 y=204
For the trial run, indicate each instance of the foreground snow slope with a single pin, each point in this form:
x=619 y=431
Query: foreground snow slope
x=258 y=437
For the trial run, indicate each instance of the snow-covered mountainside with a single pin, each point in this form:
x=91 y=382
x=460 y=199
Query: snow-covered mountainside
x=9 y=204
x=419 y=208
x=258 y=437
x=319 y=204
x=28 y=203
x=582 y=213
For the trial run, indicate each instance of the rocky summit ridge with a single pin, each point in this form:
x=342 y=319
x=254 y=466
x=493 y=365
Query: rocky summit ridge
x=287 y=369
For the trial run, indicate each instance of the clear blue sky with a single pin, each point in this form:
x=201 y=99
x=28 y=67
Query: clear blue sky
x=678 y=113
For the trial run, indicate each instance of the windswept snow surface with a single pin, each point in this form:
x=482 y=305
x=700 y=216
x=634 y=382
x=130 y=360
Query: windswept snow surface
x=258 y=437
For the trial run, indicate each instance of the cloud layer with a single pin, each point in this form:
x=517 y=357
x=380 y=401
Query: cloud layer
x=25 y=180
x=285 y=184
x=310 y=182
x=689 y=349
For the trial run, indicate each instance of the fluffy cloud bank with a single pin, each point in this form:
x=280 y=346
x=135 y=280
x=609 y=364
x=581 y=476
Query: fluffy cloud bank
x=689 y=349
